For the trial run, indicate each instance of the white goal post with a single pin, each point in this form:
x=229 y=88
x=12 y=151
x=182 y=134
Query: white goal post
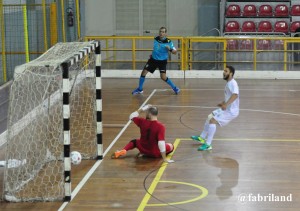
x=55 y=107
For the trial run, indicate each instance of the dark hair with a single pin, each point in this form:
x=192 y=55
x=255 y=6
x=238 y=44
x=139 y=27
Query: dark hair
x=231 y=69
x=153 y=110
x=163 y=28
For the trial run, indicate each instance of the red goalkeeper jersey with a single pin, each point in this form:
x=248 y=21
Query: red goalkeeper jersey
x=151 y=133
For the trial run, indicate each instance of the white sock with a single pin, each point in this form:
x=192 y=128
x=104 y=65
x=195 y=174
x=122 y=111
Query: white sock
x=205 y=130
x=211 y=132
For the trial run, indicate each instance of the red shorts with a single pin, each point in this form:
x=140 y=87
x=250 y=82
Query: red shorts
x=154 y=152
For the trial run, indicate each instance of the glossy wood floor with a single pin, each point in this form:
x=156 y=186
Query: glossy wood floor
x=254 y=164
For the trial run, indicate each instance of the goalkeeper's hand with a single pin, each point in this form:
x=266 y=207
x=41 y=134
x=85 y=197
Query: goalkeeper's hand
x=169 y=161
x=146 y=107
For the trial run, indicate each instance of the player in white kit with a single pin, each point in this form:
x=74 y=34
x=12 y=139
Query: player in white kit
x=229 y=110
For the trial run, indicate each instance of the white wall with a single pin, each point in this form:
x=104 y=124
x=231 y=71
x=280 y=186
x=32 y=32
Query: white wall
x=182 y=17
x=98 y=17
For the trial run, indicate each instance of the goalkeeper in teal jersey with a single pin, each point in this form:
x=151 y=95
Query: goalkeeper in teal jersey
x=159 y=59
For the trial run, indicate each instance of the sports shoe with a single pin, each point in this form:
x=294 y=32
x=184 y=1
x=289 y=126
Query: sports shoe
x=118 y=153
x=204 y=147
x=176 y=90
x=137 y=91
x=199 y=139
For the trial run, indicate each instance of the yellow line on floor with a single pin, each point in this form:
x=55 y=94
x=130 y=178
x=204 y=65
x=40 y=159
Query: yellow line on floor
x=248 y=139
x=156 y=179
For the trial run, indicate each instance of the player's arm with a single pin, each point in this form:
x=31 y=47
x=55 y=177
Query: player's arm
x=162 y=149
x=137 y=112
x=224 y=104
x=162 y=144
x=171 y=48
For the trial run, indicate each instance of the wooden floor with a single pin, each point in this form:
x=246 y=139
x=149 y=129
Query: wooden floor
x=254 y=164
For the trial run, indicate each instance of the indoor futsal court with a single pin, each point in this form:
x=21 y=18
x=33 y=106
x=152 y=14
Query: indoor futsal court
x=254 y=163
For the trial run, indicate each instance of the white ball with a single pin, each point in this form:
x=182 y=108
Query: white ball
x=75 y=157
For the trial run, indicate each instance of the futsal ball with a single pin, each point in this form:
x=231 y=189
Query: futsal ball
x=76 y=158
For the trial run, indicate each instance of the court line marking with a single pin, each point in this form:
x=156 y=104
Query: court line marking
x=155 y=181
x=241 y=109
x=204 y=193
x=98 y=162
x=248 y=139
x=267 y=90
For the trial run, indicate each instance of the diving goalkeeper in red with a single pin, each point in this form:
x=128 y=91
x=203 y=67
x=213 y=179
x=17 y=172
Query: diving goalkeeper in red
x=152 y=141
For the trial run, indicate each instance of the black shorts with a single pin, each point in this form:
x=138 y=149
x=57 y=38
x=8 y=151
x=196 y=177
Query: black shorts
x=152 y=64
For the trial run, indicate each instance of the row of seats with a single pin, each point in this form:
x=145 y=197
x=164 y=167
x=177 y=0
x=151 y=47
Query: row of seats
x=250 y=10
x=263 y=26
x=248 y=44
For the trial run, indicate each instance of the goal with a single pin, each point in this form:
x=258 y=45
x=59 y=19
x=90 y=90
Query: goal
x=55 y=107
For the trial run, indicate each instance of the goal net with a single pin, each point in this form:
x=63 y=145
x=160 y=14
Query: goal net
x=53 y=109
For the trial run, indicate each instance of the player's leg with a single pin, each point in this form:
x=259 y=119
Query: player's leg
x=204 y=133
x=131 y=145
x=142 y=78
x=222 y=119
x=163 y=76
x=212 y=127
x=149 y=67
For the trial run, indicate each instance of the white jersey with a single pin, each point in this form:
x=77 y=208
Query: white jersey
x=232 y=88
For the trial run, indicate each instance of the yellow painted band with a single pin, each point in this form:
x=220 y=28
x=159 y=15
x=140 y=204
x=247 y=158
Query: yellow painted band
x=3 y=41
x=25 y=34
x=63 y=20
x=156 y=179
x=204 y=193
x=45 y=26
x=53 y=24
x=78 y=19
x=248 y=139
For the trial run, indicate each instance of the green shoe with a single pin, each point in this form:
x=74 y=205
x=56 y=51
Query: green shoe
x=199 y=139
x=204 y=147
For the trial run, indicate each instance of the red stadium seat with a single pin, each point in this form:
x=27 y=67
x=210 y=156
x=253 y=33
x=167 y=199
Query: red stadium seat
x=232 y=45
x=281 y=26
x=246 y=45
x=264 y=26
x=281 y=10
x=248 y=26
x=249 y=10
x=263 y=45
x=233 y=10
x=232 y=26
x=265 y=10
x=295 y=10
x=294 y=26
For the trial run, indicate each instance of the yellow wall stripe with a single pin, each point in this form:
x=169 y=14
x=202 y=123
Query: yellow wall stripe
x=53 y=24
x=63 y=20
x=25 y=34
x=45 y=26
x=3 y=42
x=78 y=18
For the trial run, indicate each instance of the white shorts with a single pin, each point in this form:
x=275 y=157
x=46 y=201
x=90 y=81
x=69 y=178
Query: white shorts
x=223 y=117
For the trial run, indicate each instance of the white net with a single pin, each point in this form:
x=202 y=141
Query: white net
x=35 y=122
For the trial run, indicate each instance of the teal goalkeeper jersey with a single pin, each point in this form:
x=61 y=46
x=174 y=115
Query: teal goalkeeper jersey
x=160 y=52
